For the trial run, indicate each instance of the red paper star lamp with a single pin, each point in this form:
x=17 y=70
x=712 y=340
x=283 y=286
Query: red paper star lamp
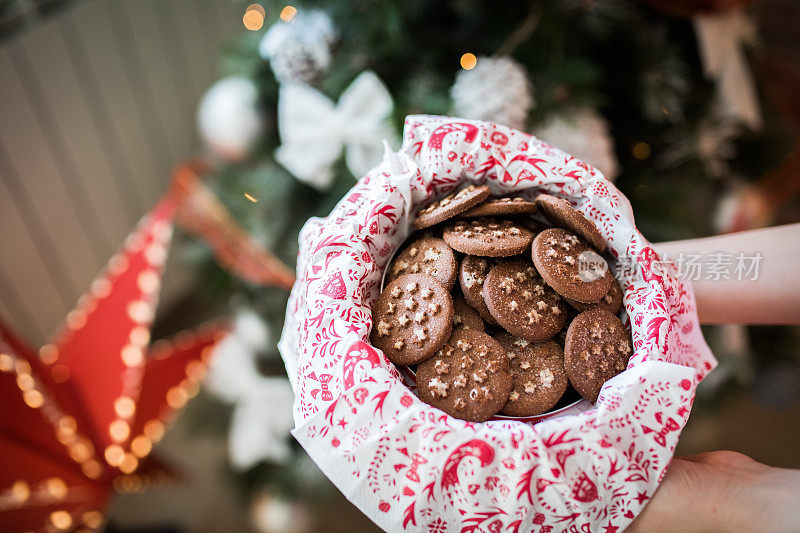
x=80 y=417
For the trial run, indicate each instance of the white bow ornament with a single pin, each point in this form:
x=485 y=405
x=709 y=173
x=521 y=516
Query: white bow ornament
x=262 y=416
x=314 y=130
x=721 y=38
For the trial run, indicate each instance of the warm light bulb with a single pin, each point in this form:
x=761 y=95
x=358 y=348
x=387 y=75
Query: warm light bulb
x=288 y=13
x=468 y=61
x=124 y=406
x=119 y=430
x=641 y=150
x=61 y=519
x=253 y=20
x=141 y=446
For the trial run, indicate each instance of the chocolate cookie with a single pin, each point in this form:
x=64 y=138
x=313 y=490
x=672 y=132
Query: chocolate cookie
x=570 y=266
x=532 y=225
x=488 y=237
x=521 y=303
x=427 y=255
x=451 y=205
x=468 y=378
x=465 y=316
x=471 y=276
x=412 y=318
x=512 y=205
x=561 y=213
x=611 y=302
x=537 y=372
x=597 y=349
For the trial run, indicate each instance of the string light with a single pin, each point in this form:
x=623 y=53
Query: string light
x=119 y=430
x=207 y=352
x=156 y=254
x=67 y=425
x=141 y=446
x=6 y=362
x=25 y=382
x=257 y=8
x=128 y=464
x=190 y=387
x=196 y=370
x=154 y=429
x=114 y=454
x=176 y=397
x=468 y=61
x=253 y=17
x=124 y=406
x=148 y=281
x=92 y=469
x=61 y=519
x=76 y=319
x=641 y=150
x=139 y=311
x=33 y=398
x=118 y=264
x=20 y=491
x=132 y=356
x=251 y=198
x=140 y=336
x=56 y=487
x=22 y=366
x=101 y=287
x=93 y=519
x=60 y=373
x=81 y=451
x=48 y=354
x=136 y=483
x=288 y=13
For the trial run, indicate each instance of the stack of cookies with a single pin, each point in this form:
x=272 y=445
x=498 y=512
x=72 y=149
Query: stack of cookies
x=533 y=316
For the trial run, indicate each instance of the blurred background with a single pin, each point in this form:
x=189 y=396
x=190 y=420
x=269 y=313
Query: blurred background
x=254 y=117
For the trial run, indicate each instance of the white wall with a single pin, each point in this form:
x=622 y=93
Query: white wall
x=96 y=107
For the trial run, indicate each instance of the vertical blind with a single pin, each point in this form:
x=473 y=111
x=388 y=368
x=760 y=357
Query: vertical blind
x=97 y=104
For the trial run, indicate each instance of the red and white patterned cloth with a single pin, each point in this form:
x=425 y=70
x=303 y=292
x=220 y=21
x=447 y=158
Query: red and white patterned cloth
x=409 y=466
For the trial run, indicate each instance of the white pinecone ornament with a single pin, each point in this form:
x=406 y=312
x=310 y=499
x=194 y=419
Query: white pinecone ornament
x=299 y=51
x=497 y=89
x=582 y=133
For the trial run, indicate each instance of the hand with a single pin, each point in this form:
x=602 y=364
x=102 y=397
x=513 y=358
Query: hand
x=722 y=491
x=772 y=298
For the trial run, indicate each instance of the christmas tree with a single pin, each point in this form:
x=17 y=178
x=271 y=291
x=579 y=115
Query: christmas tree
x=660 y=97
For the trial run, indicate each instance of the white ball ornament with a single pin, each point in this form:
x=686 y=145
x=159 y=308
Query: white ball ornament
x=274 y=514
x=228 y=118
x=585 y=134
x=496 y=89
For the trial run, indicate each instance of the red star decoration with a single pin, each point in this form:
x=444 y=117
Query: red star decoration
x=641 y=498
x=610 y=529
x=80 y=417
x=342 y=422
x=352 y=328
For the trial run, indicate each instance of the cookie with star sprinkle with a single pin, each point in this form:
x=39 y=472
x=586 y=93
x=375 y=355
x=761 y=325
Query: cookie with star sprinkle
x=465 y=316
x=471 y=276
x=427 y=255
x=488 y=237
x=451 y=205
x=412 y=318
x=537 y=372
x=561 y=214
x=611 y=302
x=522 y=303
x=508 y=205
x=570 y=266
x=597 y=348
x=468 y=378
